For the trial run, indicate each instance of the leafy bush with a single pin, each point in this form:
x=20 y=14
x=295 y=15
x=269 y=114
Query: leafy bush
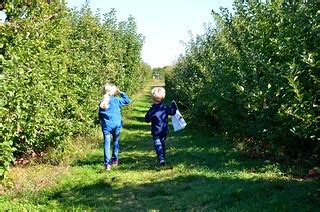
x=55 y=62
x=256 y=75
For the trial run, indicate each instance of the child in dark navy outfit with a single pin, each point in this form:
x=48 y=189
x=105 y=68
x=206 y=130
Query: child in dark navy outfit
x=111 y=123
x=158 y=116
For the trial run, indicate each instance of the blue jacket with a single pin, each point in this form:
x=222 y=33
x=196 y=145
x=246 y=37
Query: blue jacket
x=158 y=116
x=110 y=118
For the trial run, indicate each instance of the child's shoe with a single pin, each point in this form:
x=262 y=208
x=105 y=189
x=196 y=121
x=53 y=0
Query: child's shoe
x=108 y=167
x=162 y=163
x=115 y=163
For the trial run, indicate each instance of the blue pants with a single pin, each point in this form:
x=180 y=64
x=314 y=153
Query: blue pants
x=159 y=143
x=115 y=133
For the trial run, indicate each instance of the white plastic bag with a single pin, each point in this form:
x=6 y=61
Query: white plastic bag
x=178 y=121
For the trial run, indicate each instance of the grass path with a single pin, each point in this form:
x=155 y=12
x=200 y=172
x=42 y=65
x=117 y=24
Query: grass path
x=204 y=172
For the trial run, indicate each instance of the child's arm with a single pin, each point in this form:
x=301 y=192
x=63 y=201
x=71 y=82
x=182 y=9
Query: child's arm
x=124 y=100
x=149 y=114
x=104 y=104
x=173 y=108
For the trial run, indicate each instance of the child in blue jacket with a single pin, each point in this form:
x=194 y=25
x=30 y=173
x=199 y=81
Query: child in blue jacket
x=158 y=116
x=111 y=121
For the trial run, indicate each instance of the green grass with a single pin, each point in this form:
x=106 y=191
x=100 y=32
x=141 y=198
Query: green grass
x=204 y=171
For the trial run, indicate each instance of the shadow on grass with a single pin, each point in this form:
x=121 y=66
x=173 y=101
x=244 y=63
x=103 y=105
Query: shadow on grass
x=139 y=119
x=138 y=163
x=140 y=110
x=126 y=162
x=141 y=127
x=191 y=192
x=89 y=160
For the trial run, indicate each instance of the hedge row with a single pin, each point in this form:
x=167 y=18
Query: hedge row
x=256 y=75
x=54 y=63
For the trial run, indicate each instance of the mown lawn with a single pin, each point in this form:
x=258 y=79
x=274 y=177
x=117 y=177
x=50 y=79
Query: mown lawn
x=204 y=172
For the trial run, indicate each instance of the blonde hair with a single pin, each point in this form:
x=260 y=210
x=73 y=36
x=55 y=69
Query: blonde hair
x=107 y=91
x=158 y=94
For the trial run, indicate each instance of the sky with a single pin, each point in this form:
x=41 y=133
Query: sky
x=165 y=24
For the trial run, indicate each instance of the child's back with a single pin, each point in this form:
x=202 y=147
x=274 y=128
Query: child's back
x=158 y=116
x=111 y=123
